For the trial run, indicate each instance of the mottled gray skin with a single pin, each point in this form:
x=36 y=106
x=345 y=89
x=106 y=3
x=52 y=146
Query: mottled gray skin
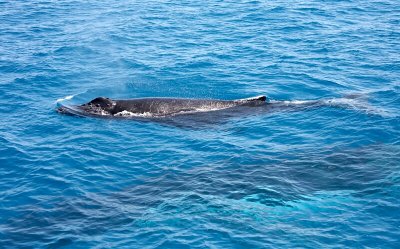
x=163 y=106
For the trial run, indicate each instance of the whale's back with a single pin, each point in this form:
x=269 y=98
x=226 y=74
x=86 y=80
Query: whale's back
x=155 y=107
x=166 y=106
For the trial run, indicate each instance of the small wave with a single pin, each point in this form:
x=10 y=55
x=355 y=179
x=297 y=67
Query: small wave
x=354 y=102
x=69 y=97
x=358 y=104
x=292 y=102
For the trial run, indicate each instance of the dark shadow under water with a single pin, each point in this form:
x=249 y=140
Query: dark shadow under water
x=363 y=172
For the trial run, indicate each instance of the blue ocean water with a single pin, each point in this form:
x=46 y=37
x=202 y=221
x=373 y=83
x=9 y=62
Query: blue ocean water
x=323 y=176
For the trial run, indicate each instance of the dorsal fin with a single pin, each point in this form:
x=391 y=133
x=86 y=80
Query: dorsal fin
x=257 y=98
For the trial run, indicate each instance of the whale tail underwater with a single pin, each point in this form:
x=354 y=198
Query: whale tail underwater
x=155 y=107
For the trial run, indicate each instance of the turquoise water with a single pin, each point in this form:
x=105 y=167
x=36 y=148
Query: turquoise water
x=323 y=175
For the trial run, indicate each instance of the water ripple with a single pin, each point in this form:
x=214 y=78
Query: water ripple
x=317 y=168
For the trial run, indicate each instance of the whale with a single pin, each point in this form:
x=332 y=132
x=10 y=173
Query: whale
x=156 y=106
x=201 y=113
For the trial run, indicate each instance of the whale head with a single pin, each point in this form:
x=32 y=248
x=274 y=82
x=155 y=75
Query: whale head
x=100 y=105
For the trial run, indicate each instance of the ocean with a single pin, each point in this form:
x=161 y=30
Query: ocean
x=319 y=170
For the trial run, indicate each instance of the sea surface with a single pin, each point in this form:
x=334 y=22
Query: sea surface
x=319 y=170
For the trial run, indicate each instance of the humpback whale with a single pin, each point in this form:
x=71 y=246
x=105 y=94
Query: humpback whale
x=155 y=107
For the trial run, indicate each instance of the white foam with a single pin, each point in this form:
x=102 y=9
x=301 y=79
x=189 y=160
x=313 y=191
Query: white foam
x=358 y=104
x=340 y=101
x=329 y=102
x=293 y=102
x=298 y=102
x=65 y=98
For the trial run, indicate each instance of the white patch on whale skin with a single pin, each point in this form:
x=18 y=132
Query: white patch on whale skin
x=104 y=113
x=212 y=108
x=125 y=113
x=209 y=108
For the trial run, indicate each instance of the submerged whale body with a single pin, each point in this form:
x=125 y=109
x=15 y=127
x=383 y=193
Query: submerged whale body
x=155 y=107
